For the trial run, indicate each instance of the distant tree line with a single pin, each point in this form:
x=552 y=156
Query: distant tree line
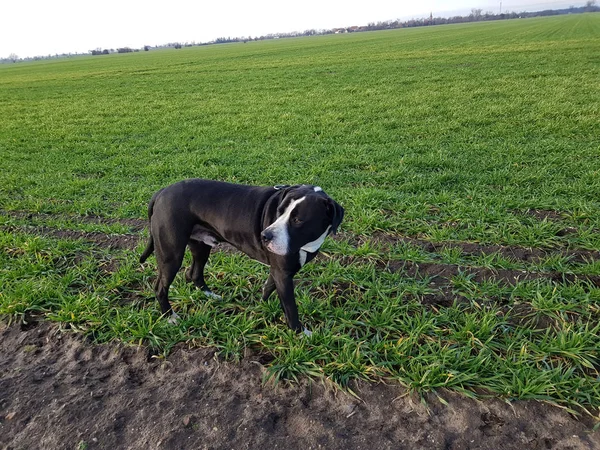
x=99 y=51
x=476 y=15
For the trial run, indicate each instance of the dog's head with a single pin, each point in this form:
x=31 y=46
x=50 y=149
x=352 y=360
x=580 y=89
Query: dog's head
x=305 y=216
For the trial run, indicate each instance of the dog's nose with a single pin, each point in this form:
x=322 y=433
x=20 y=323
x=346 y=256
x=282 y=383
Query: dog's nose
x=267 y=235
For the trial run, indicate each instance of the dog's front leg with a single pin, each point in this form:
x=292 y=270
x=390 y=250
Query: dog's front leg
x=268 y=288
x=284 y=283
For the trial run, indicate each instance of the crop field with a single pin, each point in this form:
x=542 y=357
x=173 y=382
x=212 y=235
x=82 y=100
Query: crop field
x=467 y=158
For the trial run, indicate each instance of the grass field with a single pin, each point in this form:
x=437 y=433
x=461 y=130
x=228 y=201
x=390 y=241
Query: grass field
x=466 y=157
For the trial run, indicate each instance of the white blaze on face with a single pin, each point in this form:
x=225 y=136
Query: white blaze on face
x=281 y=237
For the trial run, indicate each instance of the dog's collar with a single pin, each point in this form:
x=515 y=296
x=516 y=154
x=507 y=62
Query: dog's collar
x=278 y=187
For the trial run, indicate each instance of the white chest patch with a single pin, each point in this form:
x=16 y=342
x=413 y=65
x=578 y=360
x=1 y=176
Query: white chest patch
x=303 y=256
x=312 y=247
x=315 y=245
x=281 y=238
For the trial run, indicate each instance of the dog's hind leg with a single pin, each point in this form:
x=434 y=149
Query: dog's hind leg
x=168 y=259
x=195 y=274
x=165 y=278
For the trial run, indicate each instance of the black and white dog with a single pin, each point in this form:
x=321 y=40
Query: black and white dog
x=281 y=226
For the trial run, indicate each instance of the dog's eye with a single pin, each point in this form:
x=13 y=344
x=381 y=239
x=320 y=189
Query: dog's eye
x=296 y=220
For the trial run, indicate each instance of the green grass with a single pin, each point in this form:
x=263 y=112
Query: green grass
x=448 y=134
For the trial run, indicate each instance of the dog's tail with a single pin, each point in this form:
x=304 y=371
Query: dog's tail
x=150 y=247
x=148 y=251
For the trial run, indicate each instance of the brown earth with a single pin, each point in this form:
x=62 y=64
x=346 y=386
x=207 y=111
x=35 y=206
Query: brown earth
x=58 y=391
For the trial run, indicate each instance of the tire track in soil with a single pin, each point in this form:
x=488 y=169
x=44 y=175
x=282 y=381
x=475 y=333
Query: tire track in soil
x=523 y=254
x=111 y=241
x=440 y=274
x=548 y=215
x=482 y=274
x=133 y=224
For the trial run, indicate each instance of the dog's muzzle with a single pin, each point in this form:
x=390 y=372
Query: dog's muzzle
x=274 y=242
x=266 y=236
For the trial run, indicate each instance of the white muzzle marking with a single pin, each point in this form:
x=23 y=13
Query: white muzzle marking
x=281 y=238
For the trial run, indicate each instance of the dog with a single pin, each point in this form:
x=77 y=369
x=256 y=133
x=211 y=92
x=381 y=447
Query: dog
x=280 y=226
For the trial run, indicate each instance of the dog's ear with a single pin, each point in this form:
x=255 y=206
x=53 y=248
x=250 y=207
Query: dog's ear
x=336 y=212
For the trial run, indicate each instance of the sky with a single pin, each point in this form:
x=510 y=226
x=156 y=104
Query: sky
x=47 y=27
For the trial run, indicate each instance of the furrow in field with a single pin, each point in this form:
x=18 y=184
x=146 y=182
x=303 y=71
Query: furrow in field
x=516 y=253
x=133 y=224
x=383 y=239
x=112 y=241
x=440 y=274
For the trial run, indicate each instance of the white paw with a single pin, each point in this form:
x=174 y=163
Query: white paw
x=307 y=332
x=173 y=319
x=211 y=294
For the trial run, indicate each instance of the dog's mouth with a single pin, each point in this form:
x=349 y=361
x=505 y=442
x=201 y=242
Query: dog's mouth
x=274 y=249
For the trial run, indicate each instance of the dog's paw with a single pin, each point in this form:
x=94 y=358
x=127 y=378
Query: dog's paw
x=307 y=332
x=212 y=295
x=173 y=319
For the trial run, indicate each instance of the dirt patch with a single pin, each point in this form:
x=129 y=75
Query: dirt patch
x=548 y=215
x=542 y=214
x=442 y=297
x=133 y=224
x=515 y=253
x=112 y=241
x=59 y=391
x=442 y=274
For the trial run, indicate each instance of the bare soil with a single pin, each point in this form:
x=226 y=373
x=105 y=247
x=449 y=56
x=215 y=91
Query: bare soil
x=58 y=391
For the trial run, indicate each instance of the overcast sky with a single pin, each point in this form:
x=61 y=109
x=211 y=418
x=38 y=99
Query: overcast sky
x=43 y=27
